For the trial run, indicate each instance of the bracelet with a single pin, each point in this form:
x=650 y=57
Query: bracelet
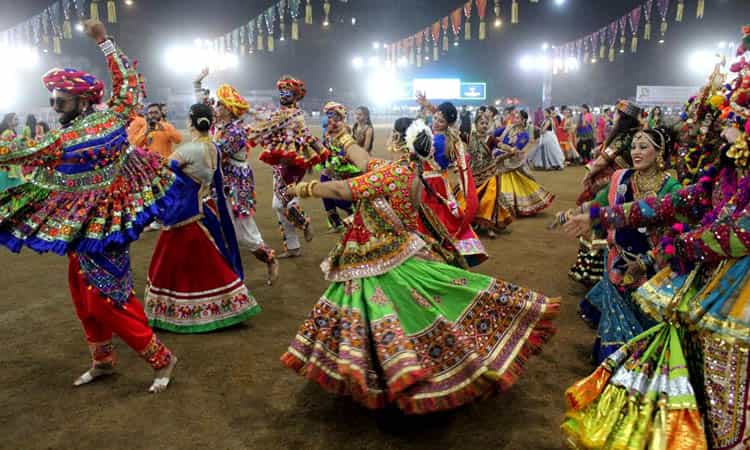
x=107 y=47
x=301 y=189
x=309 y=192
x=346 y=141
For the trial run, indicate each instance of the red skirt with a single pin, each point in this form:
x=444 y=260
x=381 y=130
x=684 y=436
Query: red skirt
x=191 y=287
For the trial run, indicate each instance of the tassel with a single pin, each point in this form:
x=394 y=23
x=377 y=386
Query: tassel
x=435 y=53
x=446 y=43
x=612 y=54
x=514 y=12
x=482 y=30
x=308 y=13
x=295 y=30
x=623 y=42
x=647 y=31
x=467 y=30
x=67 y=30
x=94 y=9
x=701 y=9
x=56 y=45
x=419 y=59
x=243 y=49
x=602 y=52
x=680 y=11
x=270 y=42
x=634 y=44
x=260 y=42
x=664 y=27
x=111 y=11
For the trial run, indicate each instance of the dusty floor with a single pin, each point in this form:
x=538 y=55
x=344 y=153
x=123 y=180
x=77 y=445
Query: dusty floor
x=231 y=392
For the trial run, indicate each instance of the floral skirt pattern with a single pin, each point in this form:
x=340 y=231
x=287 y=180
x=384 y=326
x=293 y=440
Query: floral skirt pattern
x=424 y=336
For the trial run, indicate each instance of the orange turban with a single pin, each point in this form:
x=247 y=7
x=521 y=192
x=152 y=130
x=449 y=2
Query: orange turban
x=232 y=99
x=287 y=83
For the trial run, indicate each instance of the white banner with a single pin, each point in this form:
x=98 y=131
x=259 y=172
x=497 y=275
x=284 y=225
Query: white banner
x=664 y=95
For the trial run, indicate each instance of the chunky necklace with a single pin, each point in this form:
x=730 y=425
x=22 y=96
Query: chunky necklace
x=647 y=185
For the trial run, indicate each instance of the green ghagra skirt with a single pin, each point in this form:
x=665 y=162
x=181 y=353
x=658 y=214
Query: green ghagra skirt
x=424 y=336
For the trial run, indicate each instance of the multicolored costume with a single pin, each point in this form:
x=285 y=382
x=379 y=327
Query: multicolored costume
x=291 y=149
x=195 y=281
x=520 y=192
x=337 y=167
x=397 y=326
x=684 y=383
x=442 y=212
x=239 y=181
x=493 y=213
x=90 y=196
x=547 y=155
x=10 y=176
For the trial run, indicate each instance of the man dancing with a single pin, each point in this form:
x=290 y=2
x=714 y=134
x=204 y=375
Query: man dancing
x=91 y=195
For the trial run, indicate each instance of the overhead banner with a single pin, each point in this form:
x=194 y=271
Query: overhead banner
x=664 y=95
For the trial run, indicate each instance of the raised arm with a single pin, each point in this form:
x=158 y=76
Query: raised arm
x=200 y=93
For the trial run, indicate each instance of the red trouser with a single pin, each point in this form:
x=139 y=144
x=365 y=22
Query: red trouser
x=101 y=318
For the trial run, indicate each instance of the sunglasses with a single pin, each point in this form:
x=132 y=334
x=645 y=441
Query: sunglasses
x=286 y=94
x=59 y=102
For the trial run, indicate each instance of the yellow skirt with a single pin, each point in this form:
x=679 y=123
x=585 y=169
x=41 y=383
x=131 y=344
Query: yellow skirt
x=525 y=196
x=493 y=213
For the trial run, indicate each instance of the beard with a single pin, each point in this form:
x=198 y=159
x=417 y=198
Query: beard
x=66 y=117
x=284 y=101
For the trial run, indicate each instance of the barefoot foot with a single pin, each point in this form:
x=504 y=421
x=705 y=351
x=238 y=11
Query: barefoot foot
x=273 y=271
x=162 y=377
x=94 y=373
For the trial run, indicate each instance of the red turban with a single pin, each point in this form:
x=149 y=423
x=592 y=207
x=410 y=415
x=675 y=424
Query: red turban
x=74 y=82
x=287 y=83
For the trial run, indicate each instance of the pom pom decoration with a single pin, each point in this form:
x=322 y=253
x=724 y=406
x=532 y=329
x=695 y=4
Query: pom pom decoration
x=413 y=132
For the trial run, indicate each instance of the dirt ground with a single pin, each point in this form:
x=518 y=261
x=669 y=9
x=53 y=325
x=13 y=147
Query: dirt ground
x=231 y=392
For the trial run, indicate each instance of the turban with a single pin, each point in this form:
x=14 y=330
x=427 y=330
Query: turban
x=74 y=82
x=287 y=83
x=337 y=108
x=232 y=99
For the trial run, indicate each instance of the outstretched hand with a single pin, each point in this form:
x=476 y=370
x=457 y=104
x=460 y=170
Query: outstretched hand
x=578 y=225
x=202 y=75
x=422 y=99
x=95 y=30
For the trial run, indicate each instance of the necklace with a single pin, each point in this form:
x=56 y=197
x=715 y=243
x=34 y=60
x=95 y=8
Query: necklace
x=647 y=185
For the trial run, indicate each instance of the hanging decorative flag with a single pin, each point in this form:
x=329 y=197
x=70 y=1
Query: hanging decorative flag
x=261 y=38
x=45 y=27
x=94 y=10
x=281 y=8
x=243 y=36
x=36 y=31
x=680 y=10
x=238 y=41
x=587 y=49
x=436 y=41
x=251 y=36
x=456 y=24
x=81 y=10
x=327 y=11
x=418 y=41
x=308 y=13
x=444 y=23
x=498 y=16
x=647 y=8
x=612 y=40
x=67 y=27
x=482 y=13
x=579 y=49
x=701 y=9
x=55 y=14
x=270 y=19
x=514 y=12
x=603 y=43
x=467 y=22
x=294 y=13
x=623 y=32
x=426 y=34
x=663 y=6
x=635 y=20
x=111 y=11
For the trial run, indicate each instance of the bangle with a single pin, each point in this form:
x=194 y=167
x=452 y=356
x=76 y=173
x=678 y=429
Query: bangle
x=346 y=141
x=107 y=47
x=301 y=189
x=309 y=192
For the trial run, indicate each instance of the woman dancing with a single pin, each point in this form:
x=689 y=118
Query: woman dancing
x=398 y=326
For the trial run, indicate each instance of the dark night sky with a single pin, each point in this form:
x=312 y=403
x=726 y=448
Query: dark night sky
x=323 y=58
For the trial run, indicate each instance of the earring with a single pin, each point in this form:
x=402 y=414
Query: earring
x=660 y=162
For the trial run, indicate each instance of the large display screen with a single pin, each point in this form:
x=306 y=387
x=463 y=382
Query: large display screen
x=441 y=89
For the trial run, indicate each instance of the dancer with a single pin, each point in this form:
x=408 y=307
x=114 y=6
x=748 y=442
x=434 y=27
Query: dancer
x=448 y=177
x=520 y=192
x=585 y=134
x=363 y=131
x=397 y=142
x=548 y=155
x=696 y=360
x=493 y=215
x=566 y=136
x=195 y=280
x=231 y=139
x=290 y=148
x=656 y=118
x=91 y=196
x=337 y=167
x=397 y=326
x=628 y=260
x=10 y=176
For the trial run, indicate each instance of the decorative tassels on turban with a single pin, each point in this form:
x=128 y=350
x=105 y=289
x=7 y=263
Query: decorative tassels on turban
x=288 y=83
x=74 y=82
x=232 y=99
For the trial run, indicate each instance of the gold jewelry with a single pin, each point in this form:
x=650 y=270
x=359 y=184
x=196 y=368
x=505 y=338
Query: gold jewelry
x=647 y=185
x=301 y=189
x=310 y=188
x=345 y=141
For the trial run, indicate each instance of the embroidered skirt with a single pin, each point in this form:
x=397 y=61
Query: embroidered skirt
x=424 y=337
x=524 y=195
